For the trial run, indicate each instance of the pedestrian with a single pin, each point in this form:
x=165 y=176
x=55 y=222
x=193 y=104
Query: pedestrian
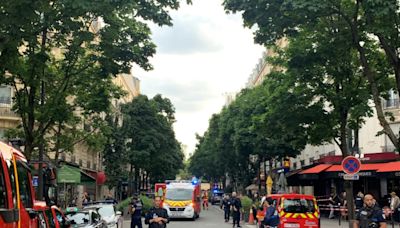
x=205 y=200
x=332 y=203
x=136 y=212
x=86 y=198
x=255 y=206
x=371 y=215
x=394 y=205
x=236 y=205
x=343 y=206
x=226 y=206
x=359 y=200
x=271 y=218
x=157 y=217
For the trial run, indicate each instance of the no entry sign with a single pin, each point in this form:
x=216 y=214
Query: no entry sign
x=351 y=165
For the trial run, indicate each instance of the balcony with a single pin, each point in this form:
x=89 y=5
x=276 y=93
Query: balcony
x=6 y=113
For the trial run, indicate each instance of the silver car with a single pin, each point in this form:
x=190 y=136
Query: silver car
x=109 y=214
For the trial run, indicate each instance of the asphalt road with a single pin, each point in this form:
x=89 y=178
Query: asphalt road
x=212 y=218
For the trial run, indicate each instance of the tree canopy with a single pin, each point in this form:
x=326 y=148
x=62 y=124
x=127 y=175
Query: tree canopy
x=152 y=145
x=60 y=57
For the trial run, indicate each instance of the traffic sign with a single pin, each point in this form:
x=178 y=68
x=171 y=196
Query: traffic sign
x=351 y=177
x=351 y=165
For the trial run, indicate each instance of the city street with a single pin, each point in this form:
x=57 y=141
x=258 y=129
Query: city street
x=213 y=218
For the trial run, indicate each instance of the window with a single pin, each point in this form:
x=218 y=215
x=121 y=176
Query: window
x=94 y=166
x=179 y=194
x=5 y=95
x=80 y=162
x=302 y=163
x=78 y=218
x=42 y=220
x=10 y=167
x=3 y=195
x=73 y=159
x=294 y=165
x=24 y=186
x=88 y=164
x=63 y=157
x=311 y=160
x=59 y=216
x=298 y=206
x=50 y=217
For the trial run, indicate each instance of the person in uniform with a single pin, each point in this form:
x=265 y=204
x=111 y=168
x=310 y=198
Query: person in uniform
x=236 y=205
x=370 y=216
x=226 y=206
x=136 y=212
x=157 y=217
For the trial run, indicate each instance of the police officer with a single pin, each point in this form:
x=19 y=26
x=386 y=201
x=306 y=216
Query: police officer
x=236 y=205
x=370 y=216
x=157 y=217
x=136 y=212
x=226 y=205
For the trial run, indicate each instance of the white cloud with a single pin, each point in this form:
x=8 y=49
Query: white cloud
x=206 y=54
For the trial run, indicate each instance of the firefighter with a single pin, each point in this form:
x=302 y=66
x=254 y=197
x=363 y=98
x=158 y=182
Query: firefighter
x=205 y=200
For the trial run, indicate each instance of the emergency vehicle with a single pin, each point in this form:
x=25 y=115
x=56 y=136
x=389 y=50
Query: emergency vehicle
x=295 y=211
x=183 y=199
x=16 y=190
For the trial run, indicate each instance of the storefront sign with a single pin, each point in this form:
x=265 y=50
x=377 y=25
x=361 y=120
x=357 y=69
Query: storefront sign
x=351 y=177
x=361 y=174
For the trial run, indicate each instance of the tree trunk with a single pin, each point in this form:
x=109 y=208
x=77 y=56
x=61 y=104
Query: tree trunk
x=344 y=147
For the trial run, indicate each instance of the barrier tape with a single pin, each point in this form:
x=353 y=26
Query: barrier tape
x=337 y=208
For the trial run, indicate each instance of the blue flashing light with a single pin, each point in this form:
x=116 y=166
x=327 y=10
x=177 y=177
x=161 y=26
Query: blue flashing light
x=195 y=181
x=215 y=191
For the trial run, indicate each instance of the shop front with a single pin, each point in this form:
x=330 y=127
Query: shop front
x=72 y=183
x=376 y=176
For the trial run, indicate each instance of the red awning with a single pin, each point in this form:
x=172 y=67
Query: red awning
x=364 y=167
x=316 y=169
x=389 y=167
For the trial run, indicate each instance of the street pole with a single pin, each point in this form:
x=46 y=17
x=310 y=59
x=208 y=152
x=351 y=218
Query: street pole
x=41 y=150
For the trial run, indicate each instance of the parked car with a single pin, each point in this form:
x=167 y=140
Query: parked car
x=108 y=213
x=217 y=196
x=85 y=218
x=50 y=216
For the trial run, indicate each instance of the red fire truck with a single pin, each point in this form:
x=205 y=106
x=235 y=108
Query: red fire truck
x=16 y=190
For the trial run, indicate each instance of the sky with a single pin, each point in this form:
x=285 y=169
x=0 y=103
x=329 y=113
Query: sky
x=202 y=57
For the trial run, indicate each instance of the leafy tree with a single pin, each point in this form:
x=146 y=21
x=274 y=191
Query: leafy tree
x=152 y=146
x=114 y=154
x=373 y=28
x=61 y=55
